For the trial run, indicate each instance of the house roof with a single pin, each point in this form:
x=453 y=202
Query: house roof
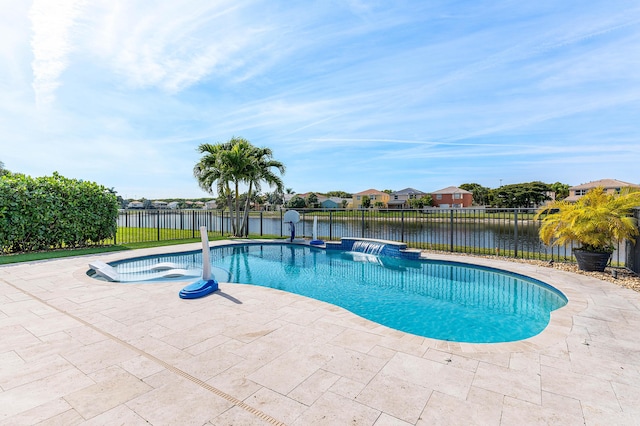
x=451 y=190
x=335 y=200
x=370 y=192
x=407 y=191
x=338 y=199
x=605 y=183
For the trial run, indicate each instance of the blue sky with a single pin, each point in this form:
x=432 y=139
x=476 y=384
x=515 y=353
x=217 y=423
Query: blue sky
x=349 y=95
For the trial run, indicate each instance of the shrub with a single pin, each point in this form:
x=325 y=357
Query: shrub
x=52 y=212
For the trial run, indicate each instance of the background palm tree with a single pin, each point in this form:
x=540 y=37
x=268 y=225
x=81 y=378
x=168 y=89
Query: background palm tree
x=212 y=170
x=231 y=164
x=3 y=171
x=260 y=169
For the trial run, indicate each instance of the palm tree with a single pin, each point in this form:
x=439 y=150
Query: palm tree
x=597 y=222
x=233 y=163
x=262 y=163
x=212 y=169
x=3 y=171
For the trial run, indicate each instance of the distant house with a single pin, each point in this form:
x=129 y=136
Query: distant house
x=401 y=199
x=334 y=202
x=211 y=205
x=611 y=186
x=159 y=204
x=134 y=205
x=194 y=204
x=452 y=197
x=173 y=205
x=374 y=195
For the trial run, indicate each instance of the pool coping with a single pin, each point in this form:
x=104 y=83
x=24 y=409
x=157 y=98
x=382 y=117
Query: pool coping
x=583 y=368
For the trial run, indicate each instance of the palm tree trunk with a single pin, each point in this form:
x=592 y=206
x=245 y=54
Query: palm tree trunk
x=236 y=229
x=230 y=206
x=244 y=230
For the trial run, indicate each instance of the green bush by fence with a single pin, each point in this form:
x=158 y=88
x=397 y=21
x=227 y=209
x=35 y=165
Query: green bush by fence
x=53 y=212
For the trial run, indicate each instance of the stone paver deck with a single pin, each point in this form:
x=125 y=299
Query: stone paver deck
x=74 y=350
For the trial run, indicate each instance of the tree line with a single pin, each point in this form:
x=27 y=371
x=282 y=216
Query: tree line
x=528 y=194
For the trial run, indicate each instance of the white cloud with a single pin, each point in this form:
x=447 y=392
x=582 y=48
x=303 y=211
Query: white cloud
x=51 y=22
x=179 y=43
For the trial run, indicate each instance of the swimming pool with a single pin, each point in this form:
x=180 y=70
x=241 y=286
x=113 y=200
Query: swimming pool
x=437 y=299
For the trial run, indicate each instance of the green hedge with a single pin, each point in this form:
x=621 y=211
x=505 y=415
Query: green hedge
x=53 y=212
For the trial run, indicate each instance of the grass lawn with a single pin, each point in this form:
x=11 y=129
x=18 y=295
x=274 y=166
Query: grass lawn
x=55 y=254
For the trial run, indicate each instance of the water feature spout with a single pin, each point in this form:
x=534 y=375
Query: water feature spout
x=368 y=247
x=315 y=241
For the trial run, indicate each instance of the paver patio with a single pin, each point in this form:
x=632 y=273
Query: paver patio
x=75 y=350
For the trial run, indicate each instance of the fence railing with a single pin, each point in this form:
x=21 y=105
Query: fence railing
x=501 y=232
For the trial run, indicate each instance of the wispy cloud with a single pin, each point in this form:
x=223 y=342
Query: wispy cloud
x=180 y=43
x=51 y=23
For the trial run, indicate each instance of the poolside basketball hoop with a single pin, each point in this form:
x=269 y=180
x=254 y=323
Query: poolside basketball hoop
x=207 y=284
x=315 y=241
x=291 y=217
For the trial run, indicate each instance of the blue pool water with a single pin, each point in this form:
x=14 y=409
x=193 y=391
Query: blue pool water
x=441 y=300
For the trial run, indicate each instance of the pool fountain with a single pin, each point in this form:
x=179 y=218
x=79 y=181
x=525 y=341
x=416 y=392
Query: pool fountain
x=375 y=247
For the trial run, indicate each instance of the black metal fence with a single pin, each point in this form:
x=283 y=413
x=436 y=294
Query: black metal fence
x=500 y=232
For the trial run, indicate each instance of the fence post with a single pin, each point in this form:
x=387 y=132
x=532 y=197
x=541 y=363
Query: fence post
x=158 y=223
x=261 y=223
x=281 y=225
x=362 y=224
x=402 y=226
x=222 y=223
x=515 y=233
x=451 y=231
x=330 y=225
x=193 y=223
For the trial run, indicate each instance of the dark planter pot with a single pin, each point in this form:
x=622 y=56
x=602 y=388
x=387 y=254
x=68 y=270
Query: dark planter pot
x=591 y=260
